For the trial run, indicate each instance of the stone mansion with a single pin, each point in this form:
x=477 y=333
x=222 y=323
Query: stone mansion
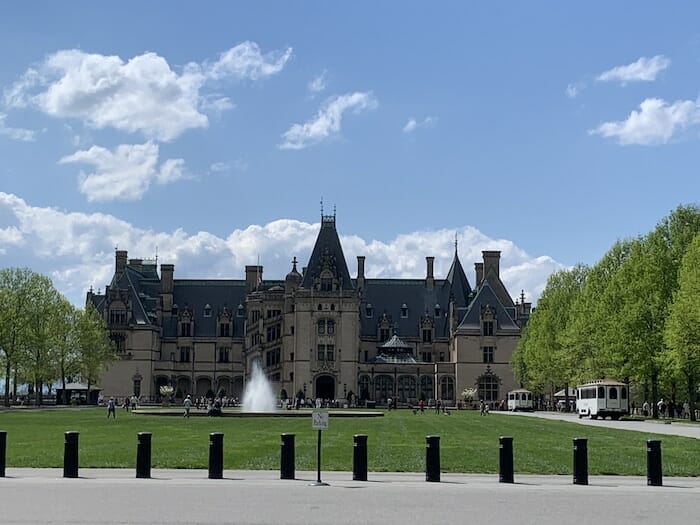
x=316 y=333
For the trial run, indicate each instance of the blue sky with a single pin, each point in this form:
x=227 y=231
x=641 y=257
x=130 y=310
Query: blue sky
x=211 y=131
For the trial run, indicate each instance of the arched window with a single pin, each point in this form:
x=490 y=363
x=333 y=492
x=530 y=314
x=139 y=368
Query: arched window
x=488 y=388
x=364 y=387
x=447 y=387
x=407 y=388
x=612 y=393
x=426 y=386
x=383 y=387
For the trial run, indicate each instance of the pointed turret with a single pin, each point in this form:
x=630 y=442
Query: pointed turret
x=456 y=282
x=327 y=270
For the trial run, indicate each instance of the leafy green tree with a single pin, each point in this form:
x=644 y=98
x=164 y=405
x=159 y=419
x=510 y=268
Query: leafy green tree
x=93 y=346
x=65 y=355
x=682 y=333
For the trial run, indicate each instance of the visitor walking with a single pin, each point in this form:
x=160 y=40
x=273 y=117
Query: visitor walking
x=482 y=408
x=187 y=403
x=111 y=409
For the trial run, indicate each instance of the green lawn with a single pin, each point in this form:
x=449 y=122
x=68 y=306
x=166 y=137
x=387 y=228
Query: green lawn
x=396 y=442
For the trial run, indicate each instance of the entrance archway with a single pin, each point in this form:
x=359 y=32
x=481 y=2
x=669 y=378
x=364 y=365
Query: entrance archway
x=325 y=387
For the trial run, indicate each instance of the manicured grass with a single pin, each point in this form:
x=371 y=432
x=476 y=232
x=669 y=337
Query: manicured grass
x=396 y=442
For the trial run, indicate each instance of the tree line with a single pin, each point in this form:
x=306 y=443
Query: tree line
x=44 y=339
x=633 y=316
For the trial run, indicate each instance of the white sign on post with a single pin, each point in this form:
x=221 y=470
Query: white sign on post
x=319 y=420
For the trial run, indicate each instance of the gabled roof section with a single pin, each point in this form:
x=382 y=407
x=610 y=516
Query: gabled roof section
x=327 y=258
x=486 y=297
x=457 y=284
x=396 y=344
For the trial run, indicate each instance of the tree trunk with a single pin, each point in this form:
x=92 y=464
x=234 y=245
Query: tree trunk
x=654 y=395
x=64 y=394
x=8 y=370
x=692 y=389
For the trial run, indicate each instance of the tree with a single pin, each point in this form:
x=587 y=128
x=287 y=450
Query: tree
x=67 y=358
x=682 y=332
x=94 y=348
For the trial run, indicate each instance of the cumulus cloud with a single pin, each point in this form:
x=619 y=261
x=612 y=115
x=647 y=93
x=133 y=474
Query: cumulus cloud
x=655 y=123
x=327 y=121
x=140 y=95
x=413 y=124
x=24 y=135
x=318 y=84
x=643 y=70
x=124 y=173
x=77 y=250
x=572 y=90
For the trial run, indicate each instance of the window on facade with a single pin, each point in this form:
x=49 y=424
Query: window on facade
x=488 y=388
x=437 y=310
x=383 y=334
x=273 y=332
x=330 y=352
x=383 y=388
x=447 y=387
x=273 y=313
x=487 y=354
x=241 y=311
x=321 y=327
x=291 y=356
x=442 y=356
x=427 y=357
x=119 y=341
x=272 y=357
x=326 y=284
x=364 y=387
x=487 y=328
x=117 y=316
x=404 y=311
x=175 y=310
x=184 y=354
x=407 y=388
x=207 y=310
x=369 y=310
x=426 y=386
x=137 y=387
x=320 y=307
x=185 y=329
x=321 y=352
x=366 y=356
x=225 y=330
x=427 y=335
x=332 y=307
x=224 y=354
x=254 y=316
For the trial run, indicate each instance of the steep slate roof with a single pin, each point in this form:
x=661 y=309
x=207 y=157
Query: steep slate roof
x=458 y=282
x=327 y=252
x=486 y=296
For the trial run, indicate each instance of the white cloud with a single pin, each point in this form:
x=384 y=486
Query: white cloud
x=643 y=70
x=413 y=124
x=327 y=121
x=125 y=173
x=140 y=95
x=245 y=61
x=218 y=167
x=24 y=135
x=654 y=123
x=318 y=84
x=572 y=91
x=77 y=250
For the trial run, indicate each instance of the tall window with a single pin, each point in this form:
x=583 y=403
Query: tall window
x=488 y=388
x=488 y=354
x=330 y=352
x=137 y=387
x=447 y=387
x=117 y=316
x=383 y=387
x=407 y=388
x=224 y=354
x=185 y=329
x=427 y=335
x=225 y=330
x=404 y=310
x=487 y=328
x=384 y=334
x=184 y=354
x=364 y=387
x=426 y=386
x=321 y=352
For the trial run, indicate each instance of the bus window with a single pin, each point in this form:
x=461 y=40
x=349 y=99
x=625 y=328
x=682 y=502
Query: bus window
x=613 y=392
x=529 y=397
x=601 y=392
x=623 y=393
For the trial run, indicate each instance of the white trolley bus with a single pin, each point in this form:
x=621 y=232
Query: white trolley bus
x=520 y=399
x=602 y=398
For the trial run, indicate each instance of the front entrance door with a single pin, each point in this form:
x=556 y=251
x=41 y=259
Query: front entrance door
x=325 y=387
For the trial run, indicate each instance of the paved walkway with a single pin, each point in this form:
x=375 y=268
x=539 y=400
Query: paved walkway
x=650 y=426
x=103 y=496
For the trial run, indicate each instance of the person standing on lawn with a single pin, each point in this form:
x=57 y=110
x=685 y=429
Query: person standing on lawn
x=187 y=403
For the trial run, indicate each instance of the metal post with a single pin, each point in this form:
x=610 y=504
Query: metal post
x=654 y=476
x=580 y=461
x=287 y=457
x=432 y=458
x=359 y=458
x=216 y=455
x=3 y=451
x=505 y=459
x=70 y=455
x=143 y=455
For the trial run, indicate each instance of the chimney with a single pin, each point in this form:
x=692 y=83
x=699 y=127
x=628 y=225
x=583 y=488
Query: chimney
x=120 y=262
x=479 y=269
x=360 y=271
x=166 y=278
x=491 y=262
x=136 y=264
x=429 y=279
x=253 y=277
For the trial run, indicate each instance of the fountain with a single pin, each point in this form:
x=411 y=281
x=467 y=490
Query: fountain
x=258 y=395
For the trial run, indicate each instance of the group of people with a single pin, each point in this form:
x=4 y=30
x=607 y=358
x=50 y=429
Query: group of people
x=129 y=402
x=666 y=409
x=213 y=407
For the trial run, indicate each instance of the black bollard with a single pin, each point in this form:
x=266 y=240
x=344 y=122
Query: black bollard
x=359 y=458
x=3 y=451
x=505 y=459
x=216 y=455
x=143 y=455
x=654 y=477
x=70 y=455
x=580 y=461
x=287 y=457
x=432 y=458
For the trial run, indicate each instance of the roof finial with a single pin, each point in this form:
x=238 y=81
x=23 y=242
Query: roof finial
x=522 y=296
x=294 y=264
x=321 y=206
x=455 y=244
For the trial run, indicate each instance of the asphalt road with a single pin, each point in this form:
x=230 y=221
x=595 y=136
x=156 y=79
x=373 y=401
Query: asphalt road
x=99 y=496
